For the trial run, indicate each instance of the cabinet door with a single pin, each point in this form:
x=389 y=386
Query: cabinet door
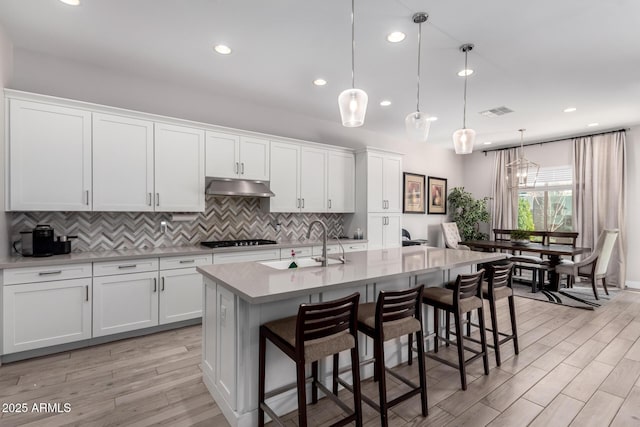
x=285 y=169
x=375 y=231
x=180 y=295
x=124 y=303
x=313 y=180
x=179 y=169
x=49 y=157
x=39 y=315
x=223 y=155
x=392 y=231
x=340 y=182
x=392 y=184
x=254 y=158
x=122 y=164
x=375 y=183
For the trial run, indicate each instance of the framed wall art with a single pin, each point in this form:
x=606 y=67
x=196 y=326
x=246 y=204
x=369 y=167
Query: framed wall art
x=414 y=193
x=437 y=195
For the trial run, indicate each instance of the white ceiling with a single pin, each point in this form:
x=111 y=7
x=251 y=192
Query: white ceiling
x=535 y=57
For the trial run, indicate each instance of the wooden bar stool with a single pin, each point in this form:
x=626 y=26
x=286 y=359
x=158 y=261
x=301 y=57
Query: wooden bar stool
x=395 y=314
x=318 y=331
x=499 y=286
x=465 y=297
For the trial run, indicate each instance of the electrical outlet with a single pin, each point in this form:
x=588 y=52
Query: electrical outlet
x=163 y=227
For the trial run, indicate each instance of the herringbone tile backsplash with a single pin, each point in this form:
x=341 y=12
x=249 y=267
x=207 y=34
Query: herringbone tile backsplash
x=225 y=218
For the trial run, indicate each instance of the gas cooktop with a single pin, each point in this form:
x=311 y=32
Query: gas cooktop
x=232 y=243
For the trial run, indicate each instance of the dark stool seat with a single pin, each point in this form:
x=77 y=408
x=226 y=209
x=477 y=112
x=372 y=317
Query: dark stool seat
x=465 y=297
x=318 y=331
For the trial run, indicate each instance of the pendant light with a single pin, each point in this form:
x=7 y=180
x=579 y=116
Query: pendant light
x=464 y=138
x=353 y=102
x=418 y=123
x=522 y=173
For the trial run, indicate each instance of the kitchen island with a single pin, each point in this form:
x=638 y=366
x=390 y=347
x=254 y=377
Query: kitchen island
x=239 y=297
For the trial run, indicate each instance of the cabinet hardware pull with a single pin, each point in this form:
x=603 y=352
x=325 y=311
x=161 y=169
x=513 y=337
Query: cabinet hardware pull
x=329 y=203
x=157 y=199
x=86 y=288
x=235 y=170
x=155 y=285
x=242 y=172
x=298 y=203
x=46 y=273
x=86 y=197
x=303 y=203
x=162 y=284
x=127 y=266
x=150 y=197
x=187 y=261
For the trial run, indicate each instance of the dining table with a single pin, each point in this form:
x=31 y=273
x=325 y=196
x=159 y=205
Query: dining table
x=554 y=252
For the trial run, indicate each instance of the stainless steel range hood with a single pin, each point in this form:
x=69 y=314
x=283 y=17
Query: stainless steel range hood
x=238 y=187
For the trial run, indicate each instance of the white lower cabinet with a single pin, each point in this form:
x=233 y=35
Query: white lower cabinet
x=46 y=313
x=124 y=302
x=384 y=231
x=181 y=289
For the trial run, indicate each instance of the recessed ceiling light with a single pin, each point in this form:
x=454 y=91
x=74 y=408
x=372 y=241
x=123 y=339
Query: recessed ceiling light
x=71 y=2
x=488 y=143
x=319 y=82
x=222 y=49
x=432 y=119
x=570 y=109
x=593 y=124
x=385 y=103
x=396 y=37
x=467 y=72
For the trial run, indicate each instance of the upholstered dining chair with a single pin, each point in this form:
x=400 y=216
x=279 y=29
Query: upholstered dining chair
x=451 y=236
x=595 y=265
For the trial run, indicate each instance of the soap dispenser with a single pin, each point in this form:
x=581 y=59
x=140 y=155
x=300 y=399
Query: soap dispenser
x=293 y=263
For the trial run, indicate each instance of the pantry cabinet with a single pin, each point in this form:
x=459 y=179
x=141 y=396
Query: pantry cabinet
x=340 y=182
x=384 y=231
x=384 y=183
x=49 y=157
x=236 y=157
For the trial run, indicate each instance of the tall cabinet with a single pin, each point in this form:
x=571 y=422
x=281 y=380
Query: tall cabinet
x=379 y=211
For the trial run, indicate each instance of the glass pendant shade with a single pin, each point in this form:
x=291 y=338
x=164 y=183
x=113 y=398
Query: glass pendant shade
x=463 y=140
x=353 y=107
x=417 y=124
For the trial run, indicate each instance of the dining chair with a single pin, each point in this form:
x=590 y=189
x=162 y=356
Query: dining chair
x=451 y=236
x=595 y=265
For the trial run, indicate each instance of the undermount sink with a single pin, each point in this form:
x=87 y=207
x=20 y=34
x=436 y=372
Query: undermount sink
x=302 y=263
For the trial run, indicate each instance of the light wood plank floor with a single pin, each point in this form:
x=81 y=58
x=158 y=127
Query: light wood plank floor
x=575 y=367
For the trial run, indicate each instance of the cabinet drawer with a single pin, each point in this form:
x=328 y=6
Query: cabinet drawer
x=354 y=247
x=13 y=276
x=169 y=263
x=108 y=268
x=301 y=252
x=246 y=256
x=331 y=249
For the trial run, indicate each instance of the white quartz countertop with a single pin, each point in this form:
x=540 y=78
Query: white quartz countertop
x=257 y=283
x=127 y=254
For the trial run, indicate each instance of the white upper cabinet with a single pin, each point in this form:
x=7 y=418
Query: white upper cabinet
x=49 y=157
x=384 y=184
x=179 y=169
x=285 y=169
x=313 y=180
x=340 y=182
x=122 y=164
x=298 y=178
x=239 y=157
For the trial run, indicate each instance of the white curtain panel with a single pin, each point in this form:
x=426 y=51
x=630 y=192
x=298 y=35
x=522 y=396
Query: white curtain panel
x=504 y=200
x=600 y=194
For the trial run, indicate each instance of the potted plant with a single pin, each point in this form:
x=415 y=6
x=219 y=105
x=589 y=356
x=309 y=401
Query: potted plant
x=468 y=212
x=520 y=237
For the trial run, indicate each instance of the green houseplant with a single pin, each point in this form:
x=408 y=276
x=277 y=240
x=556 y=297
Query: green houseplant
x=520 y=236
x=468 y=212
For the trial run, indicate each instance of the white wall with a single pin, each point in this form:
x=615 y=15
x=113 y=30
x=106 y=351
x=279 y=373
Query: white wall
x=6 y=68
x=54 y=76
x=633 y=207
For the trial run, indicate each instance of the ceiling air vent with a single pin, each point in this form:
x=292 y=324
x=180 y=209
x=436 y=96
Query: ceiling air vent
x=495 y=112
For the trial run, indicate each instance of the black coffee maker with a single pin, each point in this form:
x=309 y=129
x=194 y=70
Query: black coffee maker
x=43 y=240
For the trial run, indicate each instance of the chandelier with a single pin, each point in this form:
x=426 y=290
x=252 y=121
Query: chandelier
x=522 y=173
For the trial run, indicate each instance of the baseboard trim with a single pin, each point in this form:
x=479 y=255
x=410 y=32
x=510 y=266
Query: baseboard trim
x=632 y=284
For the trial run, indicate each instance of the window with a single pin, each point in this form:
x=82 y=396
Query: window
x=549 y=205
